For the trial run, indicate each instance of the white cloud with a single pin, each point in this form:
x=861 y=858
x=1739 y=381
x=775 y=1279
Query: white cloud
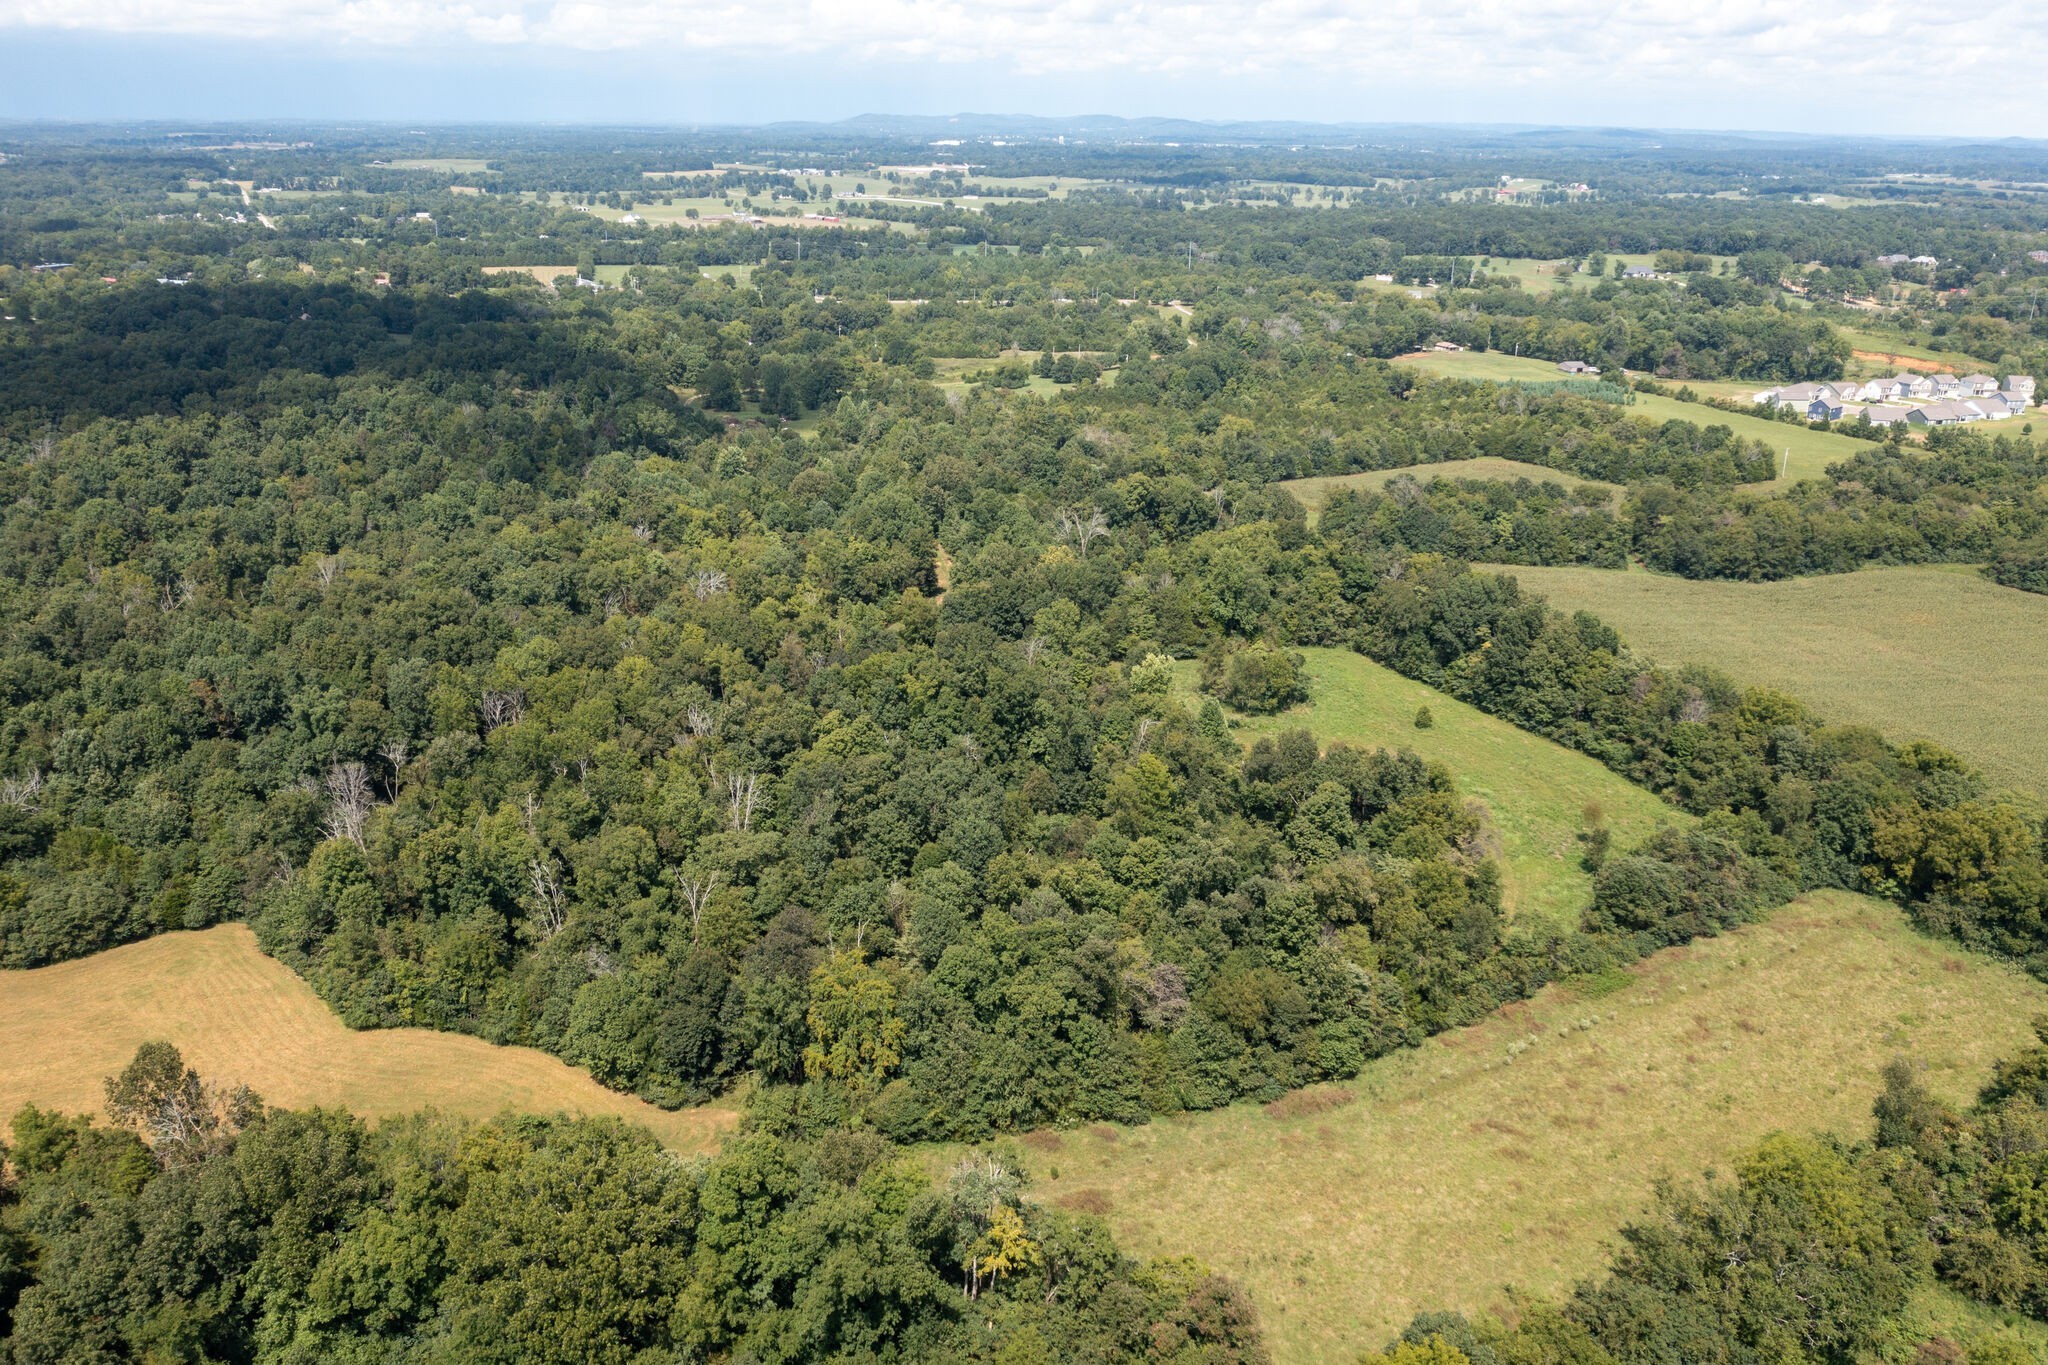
x=1784 y=52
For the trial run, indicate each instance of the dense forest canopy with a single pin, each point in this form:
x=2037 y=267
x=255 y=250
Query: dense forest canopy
x=791 y=653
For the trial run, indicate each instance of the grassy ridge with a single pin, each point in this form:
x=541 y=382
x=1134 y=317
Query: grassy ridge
x=1510 y=1152
x=239 y=1016
x=1807 y=453
x=1314 y=494
x=1537 y=793
x=1935 y=653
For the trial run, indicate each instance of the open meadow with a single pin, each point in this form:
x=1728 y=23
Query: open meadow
x=242 y=1017
x=1510 y=1152
x=1314 y=494
x=1937 y=653
x=1538 y=795
x=1879 y=350
x=1804 y=453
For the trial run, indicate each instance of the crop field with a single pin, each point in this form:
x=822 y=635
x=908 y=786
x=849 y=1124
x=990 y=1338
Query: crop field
x=242 y=1017
x=1537 y=794
x=1511 y=1152
x=1805 y=453
x=1935 y=653
x=542 y=274
x=449 y=165
x=1315 y=493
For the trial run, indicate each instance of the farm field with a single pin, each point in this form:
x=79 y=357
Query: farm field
x=240 y=1016
x=450 y=165
x=1880 y=351
x=1881 y=647
x=1511 y=1152
x=543 y=275
x=1537 y=793
x=1315 y=493
x=1806 y=453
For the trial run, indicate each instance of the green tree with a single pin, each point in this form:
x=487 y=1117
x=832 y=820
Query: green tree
x=856 y=1033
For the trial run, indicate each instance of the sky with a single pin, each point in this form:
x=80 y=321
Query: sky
x=1823 y=66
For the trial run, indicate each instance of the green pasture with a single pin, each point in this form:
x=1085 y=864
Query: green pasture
x=1538 y=796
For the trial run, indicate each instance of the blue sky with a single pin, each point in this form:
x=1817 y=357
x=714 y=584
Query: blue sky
x=1880 y=67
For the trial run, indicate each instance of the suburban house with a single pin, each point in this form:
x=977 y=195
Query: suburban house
x=1896 y=258
x=2021 y=384
x=1827 y=409
x=1981 y=385
x=1950 y=413
x=1638 y=272
x=1577 y=367
x=1884 y=415
x=1926 y=260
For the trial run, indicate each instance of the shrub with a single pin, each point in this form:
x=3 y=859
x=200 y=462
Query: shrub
x=1262 y=679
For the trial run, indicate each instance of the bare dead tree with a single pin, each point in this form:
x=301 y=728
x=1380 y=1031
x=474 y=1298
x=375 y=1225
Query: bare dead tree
x=701 y=721
x=741 y=793
x=397 y=754
x=550 y=910
x=44 y=450
x=695 y=888
x=708 y=583
x=529 y=813
x=1146 y=725
x=1079 y=529
x=1033 y=647
x=21 y=792
x=328 y=568
x=642 y=531
x=503 y=708
x=349 y=802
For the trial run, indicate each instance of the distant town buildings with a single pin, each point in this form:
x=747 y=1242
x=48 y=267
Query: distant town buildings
x=1577 y=367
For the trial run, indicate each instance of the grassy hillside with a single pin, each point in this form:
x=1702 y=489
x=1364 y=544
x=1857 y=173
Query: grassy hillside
x=1538 y=794
x=1935 y=653
x=240 y=1016
x=1314 y=494
x=1807 y=453
x=1510 y=1152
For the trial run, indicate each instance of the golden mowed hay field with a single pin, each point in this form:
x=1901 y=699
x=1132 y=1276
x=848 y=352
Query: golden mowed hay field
x=1938 y=653
x=1511 y=1152
x=239 y=1016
